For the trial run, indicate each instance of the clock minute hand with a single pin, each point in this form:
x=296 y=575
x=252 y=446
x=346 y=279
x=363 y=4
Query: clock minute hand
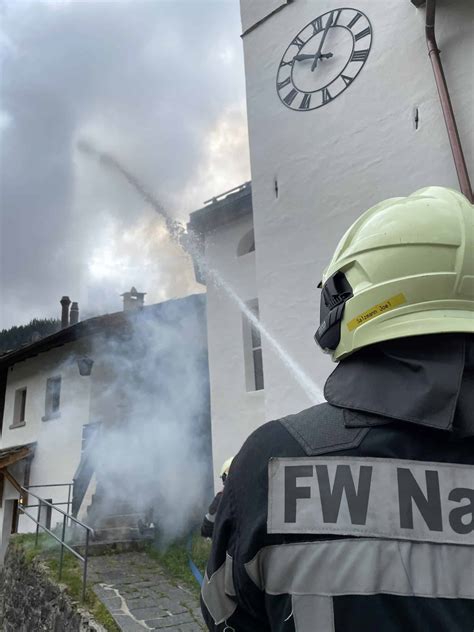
x=318 y=53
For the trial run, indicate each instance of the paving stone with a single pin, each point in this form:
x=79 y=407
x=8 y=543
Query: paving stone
x=148 y=600
x=127 y=624
x=174 y=622
x=149 y=613
x=135 y=603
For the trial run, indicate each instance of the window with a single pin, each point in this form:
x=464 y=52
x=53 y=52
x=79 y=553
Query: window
x=246 y=244
x=253 y=351
x=15 y=516
x=19 y=408
x=45 y=513
x=53 y=398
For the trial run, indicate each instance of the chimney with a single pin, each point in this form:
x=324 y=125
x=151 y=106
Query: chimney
x=133 y=300
x=74 y=314
x=65 y=302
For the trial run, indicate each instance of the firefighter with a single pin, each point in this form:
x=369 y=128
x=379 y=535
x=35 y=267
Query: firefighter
x=207 y=526
x=357 y=514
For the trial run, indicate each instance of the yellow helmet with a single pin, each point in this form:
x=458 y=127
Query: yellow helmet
x=404 y=268
x=226 y=467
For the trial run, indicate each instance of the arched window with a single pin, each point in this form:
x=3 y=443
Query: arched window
x=246 y=244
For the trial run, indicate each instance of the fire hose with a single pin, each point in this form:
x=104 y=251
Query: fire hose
x=192 y=566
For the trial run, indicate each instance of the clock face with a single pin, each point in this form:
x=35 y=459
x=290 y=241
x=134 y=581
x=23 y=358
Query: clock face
x=323 y=59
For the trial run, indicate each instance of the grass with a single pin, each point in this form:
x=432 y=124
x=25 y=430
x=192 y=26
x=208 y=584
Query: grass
x=71 y=575
x=174 y=560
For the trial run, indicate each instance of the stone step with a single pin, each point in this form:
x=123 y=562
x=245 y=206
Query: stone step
x=117 y=534
x=117 y=520
x=104 y=506
x=103 y=548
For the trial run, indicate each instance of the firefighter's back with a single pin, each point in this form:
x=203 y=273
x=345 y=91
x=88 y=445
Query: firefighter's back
x=368 y=527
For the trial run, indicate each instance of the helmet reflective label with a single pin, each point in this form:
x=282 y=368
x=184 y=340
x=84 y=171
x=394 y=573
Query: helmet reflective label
x=376 y=310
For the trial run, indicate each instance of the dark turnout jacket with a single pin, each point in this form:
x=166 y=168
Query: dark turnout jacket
x=207 y=526
x=356 y=514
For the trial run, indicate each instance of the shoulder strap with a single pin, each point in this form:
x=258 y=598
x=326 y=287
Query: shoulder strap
x=321 y=430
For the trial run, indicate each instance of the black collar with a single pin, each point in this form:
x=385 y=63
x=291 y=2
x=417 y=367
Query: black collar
x=426 y=380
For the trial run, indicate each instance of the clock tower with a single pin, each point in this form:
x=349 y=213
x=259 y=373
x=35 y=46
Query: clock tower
x=343 y=112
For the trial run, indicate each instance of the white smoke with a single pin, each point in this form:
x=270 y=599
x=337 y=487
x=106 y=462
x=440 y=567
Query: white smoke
x=153 y=449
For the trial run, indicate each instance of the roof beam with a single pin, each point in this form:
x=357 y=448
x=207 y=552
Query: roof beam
x=14 y=457
x=12 y=480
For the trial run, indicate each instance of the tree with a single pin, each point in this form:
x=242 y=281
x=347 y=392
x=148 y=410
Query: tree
x=15 y=337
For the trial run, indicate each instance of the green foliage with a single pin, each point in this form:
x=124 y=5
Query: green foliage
x=71 y=575
x=16 y=336
x=174 y=560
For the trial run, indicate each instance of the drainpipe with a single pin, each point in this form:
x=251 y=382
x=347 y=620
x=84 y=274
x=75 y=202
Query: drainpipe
x=446 y=105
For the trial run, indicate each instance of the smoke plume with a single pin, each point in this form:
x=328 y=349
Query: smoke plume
x=152 y=400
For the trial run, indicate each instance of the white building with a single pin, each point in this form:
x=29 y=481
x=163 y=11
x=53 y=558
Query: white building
x=234 y=349
x=327 y=141
x=56 y=392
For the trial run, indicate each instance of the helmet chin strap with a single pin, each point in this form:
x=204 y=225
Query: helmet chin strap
x=336 y=291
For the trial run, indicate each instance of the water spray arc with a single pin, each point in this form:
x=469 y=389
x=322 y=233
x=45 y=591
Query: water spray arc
x=190 y=243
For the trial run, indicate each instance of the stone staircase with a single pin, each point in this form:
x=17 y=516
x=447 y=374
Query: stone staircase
x=115 y=522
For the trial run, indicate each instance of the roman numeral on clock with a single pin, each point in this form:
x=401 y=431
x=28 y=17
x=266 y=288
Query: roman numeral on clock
x=347 y=80
x=306 y=102
x=354 y=20
x=287 y=63
x=359 y=55
x=290 y=97
x=317 y=25
x=284 y=83
x=326 y=96
x=298 y=42
x=335 y=16
x=362 y=34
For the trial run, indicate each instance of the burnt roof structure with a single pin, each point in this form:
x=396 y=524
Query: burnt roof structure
x=221 y=209
x=116 y=323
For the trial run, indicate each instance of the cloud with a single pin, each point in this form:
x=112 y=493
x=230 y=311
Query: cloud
x=160 y=85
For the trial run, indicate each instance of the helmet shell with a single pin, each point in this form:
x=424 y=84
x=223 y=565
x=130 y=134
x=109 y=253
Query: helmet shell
x=226 y=467
x=410 y=264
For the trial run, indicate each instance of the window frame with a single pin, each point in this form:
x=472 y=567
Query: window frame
x=19 y=407
x=253 y=352
x=50 y=410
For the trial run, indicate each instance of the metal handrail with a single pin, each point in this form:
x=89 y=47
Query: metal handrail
x=66 y=517
x=69 y=491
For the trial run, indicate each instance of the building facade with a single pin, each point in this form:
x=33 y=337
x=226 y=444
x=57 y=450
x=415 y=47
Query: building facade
x=225 y=229
x=327 y=141
x=80 y=405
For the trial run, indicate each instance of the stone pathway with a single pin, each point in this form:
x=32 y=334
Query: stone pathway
x=140 y=597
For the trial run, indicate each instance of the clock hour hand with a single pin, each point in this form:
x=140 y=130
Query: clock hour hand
x=304 y=56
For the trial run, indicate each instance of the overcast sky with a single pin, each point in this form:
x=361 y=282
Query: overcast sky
x=161 y=85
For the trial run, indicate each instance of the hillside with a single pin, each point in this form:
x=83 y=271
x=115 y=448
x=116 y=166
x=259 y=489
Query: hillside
x=24 y=334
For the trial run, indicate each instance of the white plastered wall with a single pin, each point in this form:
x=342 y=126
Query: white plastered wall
x=235 y=411
x=59 y=440
x=334 y=162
